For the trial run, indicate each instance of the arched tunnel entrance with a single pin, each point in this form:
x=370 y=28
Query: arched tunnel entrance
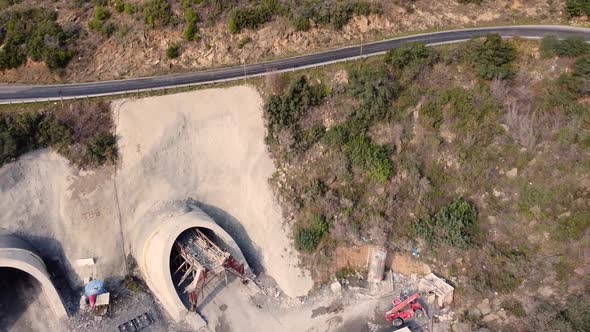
x=23 y=306
x=155 y=249
x=28 y=299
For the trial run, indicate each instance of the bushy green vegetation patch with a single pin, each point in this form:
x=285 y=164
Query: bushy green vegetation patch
x=253 y=16
x=173 y=51
x=375 y=90
x=564 y=92
x=100 y=22
x=572 y=316
x=575 y=8
x=190 y=30
x=573 y=227
x=570 y=47
x=284 y=111
x=514 y=307
x=491 y=57
x=410 y=59
x=82 y=133
x=336 y=14
x=307 y=238
x=454 y=225
x=34 y=33
x=370 y=157
x=301 y=14
x=157 y=13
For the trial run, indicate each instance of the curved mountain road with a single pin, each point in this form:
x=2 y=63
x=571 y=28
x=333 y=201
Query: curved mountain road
x=35 y=93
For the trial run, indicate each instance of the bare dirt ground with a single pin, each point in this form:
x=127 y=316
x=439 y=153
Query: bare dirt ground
x=141 y=51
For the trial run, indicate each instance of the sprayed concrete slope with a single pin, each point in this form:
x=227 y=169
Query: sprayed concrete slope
x=64 y=213
x=207 y=145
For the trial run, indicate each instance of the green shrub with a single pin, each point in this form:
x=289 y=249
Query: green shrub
x=244 y=41
x=491 y=58
x=119 y=6
x=157 y=13
x=410 y=59
x=411 y=54
x=129 y=9
x=575 y=316
x=572 y=227
x=334 y=13
x=100 y=22
x=575 y=8
x=33 y=33
x=304 y=139
x=514 y=307
x=190 y=30
x=102 y=149
x=308 y=238
x=570 y=47
x=582 y=67
x=284 y=111
x=372 y=158
x=173 y=51
x=248 y=18
x=11 y=55
x=101 y=13
x=454 y=225
x=375 y=91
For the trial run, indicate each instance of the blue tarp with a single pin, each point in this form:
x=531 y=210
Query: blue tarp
x=94 y=287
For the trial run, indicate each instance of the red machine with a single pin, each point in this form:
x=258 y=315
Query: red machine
x=404 y=308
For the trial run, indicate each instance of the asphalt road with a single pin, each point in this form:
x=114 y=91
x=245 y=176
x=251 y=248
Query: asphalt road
x=31 y=93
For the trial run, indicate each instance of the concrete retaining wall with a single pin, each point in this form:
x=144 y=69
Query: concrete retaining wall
x=18 y=254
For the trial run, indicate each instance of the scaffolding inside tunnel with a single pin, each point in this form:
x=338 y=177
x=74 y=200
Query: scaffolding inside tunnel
x=200 y=260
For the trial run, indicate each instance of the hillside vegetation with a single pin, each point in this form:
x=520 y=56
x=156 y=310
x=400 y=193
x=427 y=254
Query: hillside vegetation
x=61 y=40
x=80 y=131
x=476 y=155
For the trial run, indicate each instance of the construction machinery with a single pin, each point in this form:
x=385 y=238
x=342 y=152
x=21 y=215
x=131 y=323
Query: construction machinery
x=404 y=308
x=201 y=260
